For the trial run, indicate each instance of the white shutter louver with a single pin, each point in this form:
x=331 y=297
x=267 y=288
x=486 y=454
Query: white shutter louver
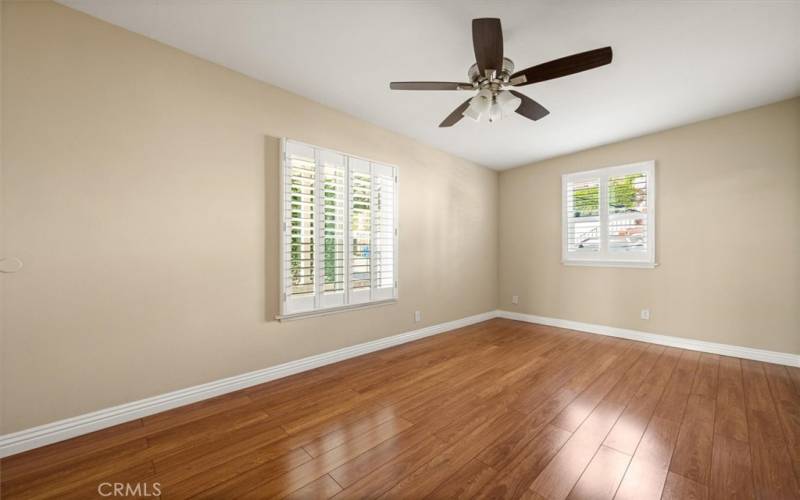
x=583 y=216
x=300 y=202
x=340 y=230
x=383 y=231
x=333 y=186
x=360 y=231
x=627 y=213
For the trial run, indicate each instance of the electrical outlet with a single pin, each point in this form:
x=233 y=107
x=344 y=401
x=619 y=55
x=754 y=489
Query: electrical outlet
x=515 y=299
x=645 y=314
x=417 y=316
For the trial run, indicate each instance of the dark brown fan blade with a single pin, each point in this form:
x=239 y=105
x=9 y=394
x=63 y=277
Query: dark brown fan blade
x=430 y=86
x=530 y=108
x=487 y=40
x=562 y=67
x=456 y=115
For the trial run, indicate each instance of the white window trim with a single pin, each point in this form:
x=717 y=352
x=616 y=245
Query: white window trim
x=604 y=258
x=335 y=310
x=283 y=315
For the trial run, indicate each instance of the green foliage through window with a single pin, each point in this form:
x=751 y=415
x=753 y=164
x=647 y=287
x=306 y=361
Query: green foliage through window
x=626 y=192
x=586 y=201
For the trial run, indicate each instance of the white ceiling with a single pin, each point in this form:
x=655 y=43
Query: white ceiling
x=674 y=62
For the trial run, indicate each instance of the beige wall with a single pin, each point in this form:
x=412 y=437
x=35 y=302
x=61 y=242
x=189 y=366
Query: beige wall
x=140 y=190
x=2 y=227
x=728 y=234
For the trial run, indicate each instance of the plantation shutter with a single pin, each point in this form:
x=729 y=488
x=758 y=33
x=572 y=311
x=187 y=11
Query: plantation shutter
x=608 y=216
x=331 y=250
x=384 y=231
x=627 y=213
x=583 y=216
x=300 y=201
x=339 y=230
x=360 y=231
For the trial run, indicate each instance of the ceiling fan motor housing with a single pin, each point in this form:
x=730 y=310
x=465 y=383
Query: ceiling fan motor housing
x=497 y=82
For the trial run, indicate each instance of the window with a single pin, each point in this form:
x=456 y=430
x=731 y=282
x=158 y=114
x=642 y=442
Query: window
x=608 y=216
x=339 y=239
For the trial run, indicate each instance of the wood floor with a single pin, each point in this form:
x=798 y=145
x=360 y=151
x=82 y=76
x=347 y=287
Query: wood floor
x=501 y=409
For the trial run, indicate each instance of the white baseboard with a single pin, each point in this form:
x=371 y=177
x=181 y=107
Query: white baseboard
x=42 y=435
x=780 y=358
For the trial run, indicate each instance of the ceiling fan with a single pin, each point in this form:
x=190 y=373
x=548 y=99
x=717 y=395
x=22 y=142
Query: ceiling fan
x=492 y=74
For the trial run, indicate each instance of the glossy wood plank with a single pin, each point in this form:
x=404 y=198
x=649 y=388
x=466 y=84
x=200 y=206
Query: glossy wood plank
x=500 y=409
x=773 y=471
x=465 y=482
x=794 y=374
x=678 y=487
x=576 y=412
x=731 y=464
x=86 y=484
x=514 y=479
x=466 y=393
x=616 y=356
x=692 y=456
x=705 y=380
x=561 y=474
x=90 y=466
x=502 y=452
x=551 y=372
x=648 y=469
x=673 y=401
x=427 y=478
x=731 y=415
x=123 y=457
x=642 y=481
x=475 y=414
x=320 y=489
x=238 y=475
x=353 y=470
x=602 y=477
x=788 y=406
x=347 y=432
x=582 y=355
x=731 y=470
x=42 y=460
x=139 y=478
x=193 y=412
x=205 y=430
x=386 y=476
x=318 y=401
x=437 y=378
x=208 y=466
x=332 y=423
x=625 y=390
x=627 y=432
x=381 y=444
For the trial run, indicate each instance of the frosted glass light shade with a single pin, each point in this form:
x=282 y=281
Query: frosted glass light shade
x=508 y=102
x=479 y=105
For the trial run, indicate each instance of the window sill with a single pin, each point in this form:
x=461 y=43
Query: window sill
x=333 y=310
x=609 y=263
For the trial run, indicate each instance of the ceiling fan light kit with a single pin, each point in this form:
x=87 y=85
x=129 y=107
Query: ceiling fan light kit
x=507 y=102
x=492 y=74
x=498 y=105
